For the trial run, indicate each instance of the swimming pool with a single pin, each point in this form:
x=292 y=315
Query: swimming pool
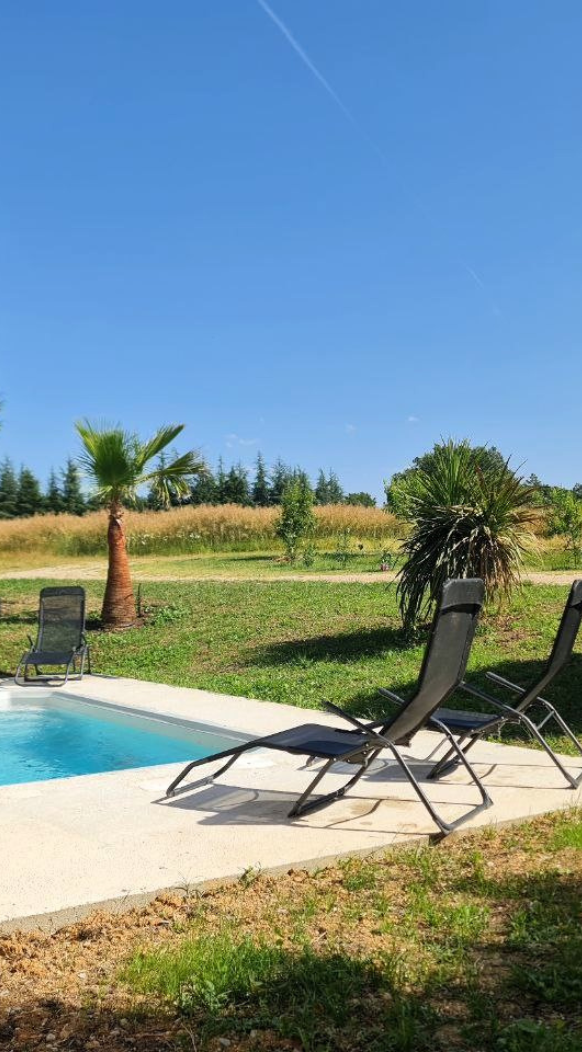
x=45 y=734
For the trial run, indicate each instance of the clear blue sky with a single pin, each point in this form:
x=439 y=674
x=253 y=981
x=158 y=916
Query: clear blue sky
x=193 y=229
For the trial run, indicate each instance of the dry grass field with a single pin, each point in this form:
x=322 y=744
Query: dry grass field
x=347 y=537
x=227 y=527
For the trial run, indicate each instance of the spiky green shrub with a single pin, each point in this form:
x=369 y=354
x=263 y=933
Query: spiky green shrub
x=469 y=517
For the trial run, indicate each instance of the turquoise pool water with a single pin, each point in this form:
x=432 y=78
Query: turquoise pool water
x=54 y=736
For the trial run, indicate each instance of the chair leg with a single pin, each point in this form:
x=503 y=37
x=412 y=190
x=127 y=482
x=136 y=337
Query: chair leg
x=462 y=756
x=304 y=805
x=564 y=727
x=444 y=826
x=534 y=732
x=451 y=759
x=233 y=754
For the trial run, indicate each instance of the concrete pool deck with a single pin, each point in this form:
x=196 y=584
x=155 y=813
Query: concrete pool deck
x=71 y=844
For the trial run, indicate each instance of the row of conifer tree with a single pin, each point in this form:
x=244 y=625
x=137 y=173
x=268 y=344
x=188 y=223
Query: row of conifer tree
x=22 y=495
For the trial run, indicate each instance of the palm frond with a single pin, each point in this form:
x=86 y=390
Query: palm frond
x=108 y=459
x=163 y=437
x=173 y=478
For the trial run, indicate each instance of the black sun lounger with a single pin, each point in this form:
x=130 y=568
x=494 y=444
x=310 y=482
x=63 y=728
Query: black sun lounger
x=471 y=726
x=442 y=670
x=60 y=640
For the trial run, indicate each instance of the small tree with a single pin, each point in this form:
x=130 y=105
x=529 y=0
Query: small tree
x=566 y=521
x=363 y=499
x=280 y=476
x=335 y=493
x=321 y=494
x=297 y=521
x=260 y=493
x=72 y=494
x=328 y=489
x=53 y=500
x=237 y=485
x=29 y=499
x=8 y=490
x=221 y=483
x=203 y=489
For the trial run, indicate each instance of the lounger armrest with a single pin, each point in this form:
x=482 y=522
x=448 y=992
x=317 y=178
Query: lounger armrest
x=390 y=694
x=329 y=705
x=476 y=693
x=30 y=640
x=502 y=682
x=376 y=723
x=364 y=728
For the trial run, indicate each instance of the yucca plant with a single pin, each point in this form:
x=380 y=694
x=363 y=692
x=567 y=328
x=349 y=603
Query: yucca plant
x=119 y=463
x=469 y=518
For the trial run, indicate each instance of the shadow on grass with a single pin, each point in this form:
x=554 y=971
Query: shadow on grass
x=252 y=994
x=343 y=647
x=19 y=619
x=352 y=647
x=518 y=991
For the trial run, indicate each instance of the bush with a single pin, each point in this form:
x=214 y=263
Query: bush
x=566 y=521
x=470 y=518
x=297 y=521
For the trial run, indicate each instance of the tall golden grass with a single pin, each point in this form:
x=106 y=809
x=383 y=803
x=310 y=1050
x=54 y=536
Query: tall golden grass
x=228 y=527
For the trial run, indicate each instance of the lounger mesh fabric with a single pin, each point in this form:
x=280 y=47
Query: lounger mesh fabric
x=61 y=634
x=442 y=670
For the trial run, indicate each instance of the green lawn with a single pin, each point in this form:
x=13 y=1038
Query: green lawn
x=364 y=557
x=296 y=642
x=474 y=946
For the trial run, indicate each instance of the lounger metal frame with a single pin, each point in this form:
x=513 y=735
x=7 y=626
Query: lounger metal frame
x=526 y=698
x=443 y=667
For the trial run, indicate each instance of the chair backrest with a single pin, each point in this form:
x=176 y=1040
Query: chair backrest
x=445 y=658
x=563 y=645
x=61 y=619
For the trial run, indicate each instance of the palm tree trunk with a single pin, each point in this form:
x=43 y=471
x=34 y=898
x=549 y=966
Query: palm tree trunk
x=118 y=602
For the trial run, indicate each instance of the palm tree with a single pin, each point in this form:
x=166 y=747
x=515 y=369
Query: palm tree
x=471 y=517
x=118 y=462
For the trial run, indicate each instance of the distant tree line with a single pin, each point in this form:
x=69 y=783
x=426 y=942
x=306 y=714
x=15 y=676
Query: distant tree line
x=264 y=487
x=22 y=495
x=546 y=496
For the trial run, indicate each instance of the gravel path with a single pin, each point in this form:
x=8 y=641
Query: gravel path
x=97 y=572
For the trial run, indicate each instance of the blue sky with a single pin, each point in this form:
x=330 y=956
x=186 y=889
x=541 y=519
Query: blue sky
x=193 y=229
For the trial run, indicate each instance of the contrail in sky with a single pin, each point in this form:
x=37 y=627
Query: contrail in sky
x=315 y=72
x=306 y=59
